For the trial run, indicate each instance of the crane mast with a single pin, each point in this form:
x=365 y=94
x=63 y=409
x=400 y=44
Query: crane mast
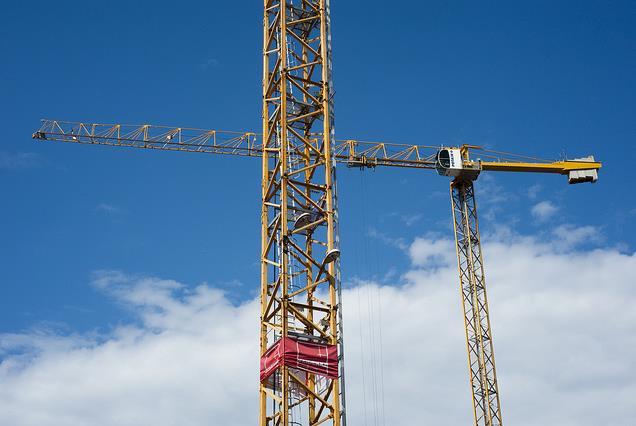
x=299 y=254
x=479 y=345
x=313 y=316
x=307 y=240
x=301 y=345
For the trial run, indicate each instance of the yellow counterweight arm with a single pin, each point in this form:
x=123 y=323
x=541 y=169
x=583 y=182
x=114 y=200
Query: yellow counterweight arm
x=560 y=167
x=467 y=162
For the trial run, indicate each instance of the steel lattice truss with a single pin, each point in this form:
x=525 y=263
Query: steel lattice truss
x=298 y=282
x=353 y=153
x=300 y=267
x=300 y=270
x=481 y=361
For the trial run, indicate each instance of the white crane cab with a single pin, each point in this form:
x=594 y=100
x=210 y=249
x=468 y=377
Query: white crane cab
x=450 y=162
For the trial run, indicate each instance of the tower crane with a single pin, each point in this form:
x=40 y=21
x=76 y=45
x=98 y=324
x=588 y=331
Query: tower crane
x=302 y=379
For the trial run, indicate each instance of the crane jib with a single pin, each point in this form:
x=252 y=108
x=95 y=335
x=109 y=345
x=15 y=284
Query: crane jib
x=301 y=323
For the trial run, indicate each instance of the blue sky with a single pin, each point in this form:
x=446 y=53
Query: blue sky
x=540 y=78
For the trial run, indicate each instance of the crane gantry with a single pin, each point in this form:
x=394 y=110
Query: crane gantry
x=301 y=344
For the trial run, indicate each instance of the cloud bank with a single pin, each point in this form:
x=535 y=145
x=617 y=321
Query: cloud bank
x=544 y=210
x=563 y=322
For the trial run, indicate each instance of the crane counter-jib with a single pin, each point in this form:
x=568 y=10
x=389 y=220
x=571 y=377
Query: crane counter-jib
x=457 y=162
x=559 y=167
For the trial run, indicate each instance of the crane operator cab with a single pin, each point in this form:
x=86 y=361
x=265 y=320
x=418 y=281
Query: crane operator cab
x=450 y=162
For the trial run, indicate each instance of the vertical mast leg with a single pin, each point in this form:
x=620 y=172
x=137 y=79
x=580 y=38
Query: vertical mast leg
x=481 y=357
x=299 y=252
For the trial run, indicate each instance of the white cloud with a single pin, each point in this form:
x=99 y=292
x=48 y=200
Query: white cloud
x=394 y=242
x=410 y=219
x=107 y=208
x=534 y=190
x=209 y=63
x=18 y=160
x=492 y=193
x=568 y=236
x=192 y=358
x=428 y=252
x=544 y=210
x=491 y=197
x=563 y=330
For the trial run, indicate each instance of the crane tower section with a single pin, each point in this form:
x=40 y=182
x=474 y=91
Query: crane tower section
x=301 y=352
x=479 y=345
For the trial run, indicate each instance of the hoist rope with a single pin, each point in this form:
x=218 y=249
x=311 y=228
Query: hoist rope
x=376 y=264
x=362 y=359
x=370 y=309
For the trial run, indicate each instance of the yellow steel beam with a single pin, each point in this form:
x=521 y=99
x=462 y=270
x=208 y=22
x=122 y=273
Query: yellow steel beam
x=479 y=343
x=559 y=167
x=300 y=278
x=353 y=153
x=299 y=216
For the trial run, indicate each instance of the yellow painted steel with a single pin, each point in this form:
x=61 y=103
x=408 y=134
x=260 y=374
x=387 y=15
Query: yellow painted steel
x=299 y=268
x=300 y=277
x=298 y=170
x=353 y=153
x=560 y=167
x=479 y=344
x=297 y=177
